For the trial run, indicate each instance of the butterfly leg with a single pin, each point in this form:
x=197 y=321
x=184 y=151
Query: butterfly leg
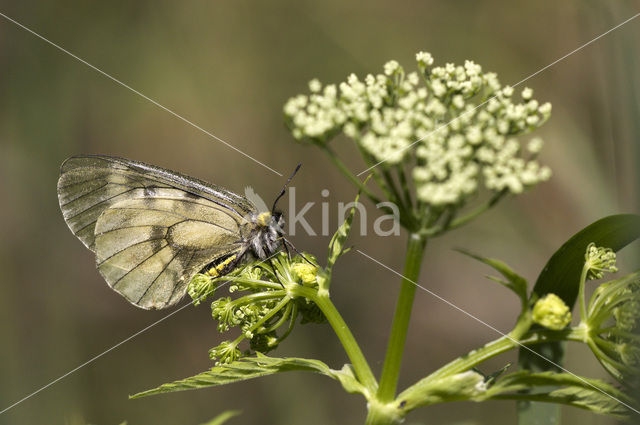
x=286 y=242
x=273 y=268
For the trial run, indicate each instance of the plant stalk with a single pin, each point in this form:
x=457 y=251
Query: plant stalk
x=503 y=344
x=358 y=361
x=395 y=347
x=347 y=173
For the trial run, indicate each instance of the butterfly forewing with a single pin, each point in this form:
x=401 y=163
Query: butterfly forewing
x=152 y=229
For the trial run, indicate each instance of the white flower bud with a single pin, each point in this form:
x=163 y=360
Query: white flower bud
x=315 y=86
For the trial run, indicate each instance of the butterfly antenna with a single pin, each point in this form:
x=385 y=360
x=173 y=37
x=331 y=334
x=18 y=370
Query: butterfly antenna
x=284 y=188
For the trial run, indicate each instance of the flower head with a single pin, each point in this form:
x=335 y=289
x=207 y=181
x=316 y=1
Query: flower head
x=305 y=273
x=551 y=312
x=599 y=260
x=200 y=287
x=224 y=353
x=260 y=306
x=451 y=129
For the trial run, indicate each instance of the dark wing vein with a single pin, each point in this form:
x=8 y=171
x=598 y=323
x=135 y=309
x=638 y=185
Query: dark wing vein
x=155 y=209
x=159 y=274
x=186 y=268
x=100 y=203
x=104 y=260
x=138 y=265
x=85 y=194
x=136 y=227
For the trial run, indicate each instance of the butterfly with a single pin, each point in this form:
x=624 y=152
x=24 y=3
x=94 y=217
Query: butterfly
x=153 y=229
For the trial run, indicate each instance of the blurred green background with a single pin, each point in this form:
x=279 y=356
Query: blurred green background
x=229 y=67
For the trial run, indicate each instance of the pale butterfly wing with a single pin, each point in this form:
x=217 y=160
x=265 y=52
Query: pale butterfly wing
x=152 y=229
x=90 y=184
x=149 y=247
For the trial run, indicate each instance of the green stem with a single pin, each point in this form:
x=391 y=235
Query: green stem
x=292 y=322
x=358 y=361
x=583 y=303
x=258 y=296
x=473 y=358
x=388 y=178
x=398 y=336
x=254 y=282
x=503 y=344
x=281 y=320
x=457 y=222
x=345 y=171
x=406 y=186
x=285 y=300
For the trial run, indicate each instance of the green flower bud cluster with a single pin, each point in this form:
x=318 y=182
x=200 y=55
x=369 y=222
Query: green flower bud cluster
x=551 y=312
x=454 y=125
x=614 y=321
x=261 y=305
x=226 y=352
x=242 y=313
x=599 y=260
x=200 y=287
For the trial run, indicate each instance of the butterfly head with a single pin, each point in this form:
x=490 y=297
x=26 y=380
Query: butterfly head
x=267 y=234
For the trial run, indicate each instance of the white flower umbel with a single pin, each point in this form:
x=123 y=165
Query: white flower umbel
x=446 y=130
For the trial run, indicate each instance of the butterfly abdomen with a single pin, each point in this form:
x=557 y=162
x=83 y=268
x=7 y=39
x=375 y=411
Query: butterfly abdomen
x=220 y=268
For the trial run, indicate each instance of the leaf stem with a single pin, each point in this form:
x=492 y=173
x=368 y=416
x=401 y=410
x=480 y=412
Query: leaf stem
x=395 y=348
x=459 y=221
x=345 y=171
x=283 y=302
x=581 y=296
x=503 y=344
x=352 y=349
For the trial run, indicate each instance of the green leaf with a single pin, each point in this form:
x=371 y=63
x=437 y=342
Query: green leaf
x=462 y=386
x=549 y=387
x=491 y=378
x=590 y=394
x=336 y=246
x=241 y=370
x=561 y=276
x=223 y=417
x=515 y=282
x=347 y=378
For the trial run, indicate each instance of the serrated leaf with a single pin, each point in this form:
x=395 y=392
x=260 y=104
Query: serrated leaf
x=515 y=282
x=589 y=399
x=240 y=370
x=561 y=276
x=223 y=417
x=590 y=394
